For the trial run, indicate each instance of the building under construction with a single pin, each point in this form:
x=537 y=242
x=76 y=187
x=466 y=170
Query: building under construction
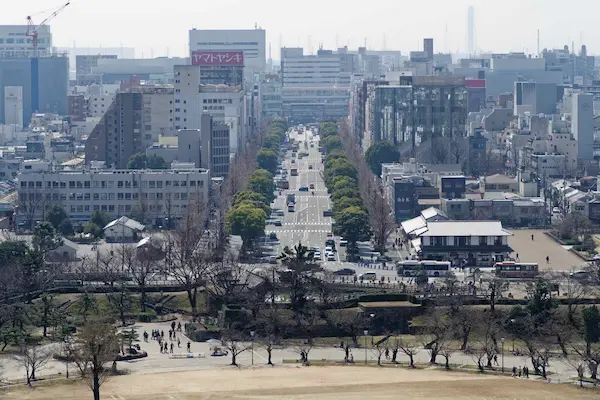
x=419 y=108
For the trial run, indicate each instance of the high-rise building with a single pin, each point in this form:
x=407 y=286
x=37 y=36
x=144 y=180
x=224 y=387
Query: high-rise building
x=225 y=103
x=131 y=124
x=84 y=65
x=471 y=31
x=428 y=48
x=535 y=98
x=44 y=82
x=14 y=41
x=314 y=86
x=583 y=124
x=252 y=42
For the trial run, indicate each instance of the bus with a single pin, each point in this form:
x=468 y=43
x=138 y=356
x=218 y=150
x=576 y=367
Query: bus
x=511 y=269
x=413 y=267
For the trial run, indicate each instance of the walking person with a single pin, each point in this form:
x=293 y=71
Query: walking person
x=179 y=326
x=171 y=349
x=173 y=326
x=496 y=359
x=178 y=343
x=520 y=371
x=189 y=346
x=514 y=371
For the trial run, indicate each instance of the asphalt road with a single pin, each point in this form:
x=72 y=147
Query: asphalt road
x=307 y=224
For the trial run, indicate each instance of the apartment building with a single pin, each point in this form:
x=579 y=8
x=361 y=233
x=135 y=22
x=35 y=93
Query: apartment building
x=149 y=196
x=132 y=123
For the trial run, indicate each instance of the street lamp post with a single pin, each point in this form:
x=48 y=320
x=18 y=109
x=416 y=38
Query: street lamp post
x=252 y=349
x=502 y=341
x=366 y=332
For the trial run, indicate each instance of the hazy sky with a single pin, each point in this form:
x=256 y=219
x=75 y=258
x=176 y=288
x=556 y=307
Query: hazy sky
x=153 y=26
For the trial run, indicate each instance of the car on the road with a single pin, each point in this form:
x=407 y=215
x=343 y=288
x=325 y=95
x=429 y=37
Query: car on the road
x=310 y=166
x=329 y=234
x=368 y=276
x=580 y=275
x=327 y=213
x=328 y=249
x=312 y=144
x=330 y=242
x=273 y=236
x=303 y=189
x=293 y=161
x=331 y=257
x=278 y=213
x=343 y=243
x=311 y=186
x=317 y=256
x=344 y=272
x=277 y=222
x=273 y=260
x=556 y=210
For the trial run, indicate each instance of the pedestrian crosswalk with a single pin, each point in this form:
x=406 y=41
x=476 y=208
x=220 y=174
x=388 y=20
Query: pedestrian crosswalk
x=286 y=231
x=305 y=223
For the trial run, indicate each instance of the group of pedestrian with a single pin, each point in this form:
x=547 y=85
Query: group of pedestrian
x=167 y=347
x=521 y=372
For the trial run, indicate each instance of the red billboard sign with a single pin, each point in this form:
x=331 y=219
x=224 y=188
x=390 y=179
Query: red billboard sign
x=226 y=58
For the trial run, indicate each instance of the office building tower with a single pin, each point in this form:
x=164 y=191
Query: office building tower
x=84 y=65
x=535 y=98
x=471 y=31
x=583 y=125
x=13 y=105
x=428 y=48
x=44 y=82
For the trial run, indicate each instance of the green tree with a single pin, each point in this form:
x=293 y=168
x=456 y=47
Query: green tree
x=267 y=159
x=66 y=228
x=351 y=192
x=300 y=276
x=93 y=229
x=344 y=202
x=353 y=225
x=256 y=199
x=141 y=161
x=248 y=222
x=343 y=182
x=45 y=238
x=272 y=141
x=331 y=143
x=56 y=215
x=340 y=167
x=100 y=218
x=261 y=181
x=381 y=153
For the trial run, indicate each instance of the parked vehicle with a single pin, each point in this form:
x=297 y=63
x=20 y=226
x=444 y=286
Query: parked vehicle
x=368 y=276
x=344 y=272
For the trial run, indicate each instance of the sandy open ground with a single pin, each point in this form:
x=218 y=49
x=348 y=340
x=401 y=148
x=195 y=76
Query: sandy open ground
x=536 y=251
x=300 y=383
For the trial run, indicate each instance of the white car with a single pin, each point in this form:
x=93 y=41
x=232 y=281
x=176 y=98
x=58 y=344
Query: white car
x=317 y=256
x=343 y=242
x=328 y=249
x=331 y=257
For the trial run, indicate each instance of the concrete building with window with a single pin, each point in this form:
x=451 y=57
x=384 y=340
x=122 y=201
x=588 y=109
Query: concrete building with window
x=44 y=83
x=131 y=124
x=252 y=42
x=149 y=196
x=464 y=243
x=225 y=103
x=314 y=86
x=84 y=65
x=14 y=41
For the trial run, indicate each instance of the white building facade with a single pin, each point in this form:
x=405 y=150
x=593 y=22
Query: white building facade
x=13 y=105
x=251 y=41
x=14 y=41
x=151 y=196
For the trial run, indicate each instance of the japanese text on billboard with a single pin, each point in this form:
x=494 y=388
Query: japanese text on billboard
x=218 y=58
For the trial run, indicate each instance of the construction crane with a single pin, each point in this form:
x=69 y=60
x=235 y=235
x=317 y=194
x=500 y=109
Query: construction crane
x=32 y=28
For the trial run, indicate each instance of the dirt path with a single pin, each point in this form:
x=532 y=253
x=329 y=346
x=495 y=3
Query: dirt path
x=298 y=383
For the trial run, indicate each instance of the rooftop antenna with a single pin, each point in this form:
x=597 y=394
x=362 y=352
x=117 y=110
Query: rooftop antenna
x=337 y=41
x=255 y=25
x=269 y=49
x=365 y=43
x=538 y=42
x=446 y=44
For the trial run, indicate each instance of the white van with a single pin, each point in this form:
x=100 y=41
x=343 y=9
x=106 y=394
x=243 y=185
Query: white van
x=368 y=276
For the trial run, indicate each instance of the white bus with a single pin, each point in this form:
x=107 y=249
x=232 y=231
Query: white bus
x=413 y=267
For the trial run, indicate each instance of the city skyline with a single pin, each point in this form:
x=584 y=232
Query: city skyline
x=83 y=24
